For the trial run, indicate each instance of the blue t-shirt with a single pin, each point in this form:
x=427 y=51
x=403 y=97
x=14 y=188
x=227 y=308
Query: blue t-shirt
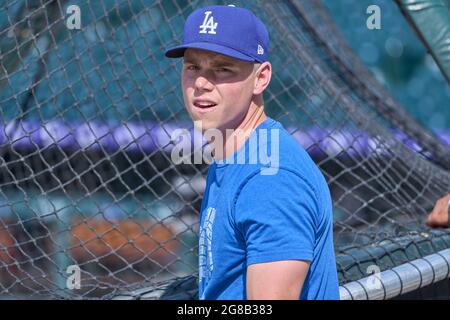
x=277 y=207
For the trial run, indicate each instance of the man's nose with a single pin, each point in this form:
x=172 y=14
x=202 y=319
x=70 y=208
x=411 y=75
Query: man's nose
x=203 y=83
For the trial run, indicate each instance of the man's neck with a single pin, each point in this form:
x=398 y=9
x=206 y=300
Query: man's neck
x=237 y=137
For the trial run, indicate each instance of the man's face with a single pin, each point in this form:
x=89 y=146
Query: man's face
x=217 y=90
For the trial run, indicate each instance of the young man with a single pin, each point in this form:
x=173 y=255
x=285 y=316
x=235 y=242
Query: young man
x=266 y=225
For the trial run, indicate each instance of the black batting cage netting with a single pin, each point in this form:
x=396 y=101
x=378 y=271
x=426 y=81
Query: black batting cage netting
x=92 y=205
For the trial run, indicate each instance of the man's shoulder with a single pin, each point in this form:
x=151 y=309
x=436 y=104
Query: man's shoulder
x=278 y=159
x=288 y=145
x=295 y=158
x=278 y=156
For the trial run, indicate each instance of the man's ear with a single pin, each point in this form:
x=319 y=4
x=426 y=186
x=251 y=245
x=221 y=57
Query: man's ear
x=262 y=79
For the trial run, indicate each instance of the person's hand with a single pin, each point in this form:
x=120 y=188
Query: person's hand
x=440 y=216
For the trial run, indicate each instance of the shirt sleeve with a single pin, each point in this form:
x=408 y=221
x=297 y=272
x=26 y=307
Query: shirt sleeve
x=277 y=216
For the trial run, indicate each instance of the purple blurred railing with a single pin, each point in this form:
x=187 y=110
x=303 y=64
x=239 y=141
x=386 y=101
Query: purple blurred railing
x=149 y=137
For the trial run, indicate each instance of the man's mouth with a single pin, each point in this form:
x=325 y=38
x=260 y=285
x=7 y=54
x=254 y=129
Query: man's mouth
x=204 y=104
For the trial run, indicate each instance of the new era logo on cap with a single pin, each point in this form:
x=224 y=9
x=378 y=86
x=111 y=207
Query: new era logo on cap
x=260 y=49
x=228 y=30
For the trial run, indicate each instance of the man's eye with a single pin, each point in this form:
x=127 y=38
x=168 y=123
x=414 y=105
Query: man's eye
x=192 y=68
x=223 y=70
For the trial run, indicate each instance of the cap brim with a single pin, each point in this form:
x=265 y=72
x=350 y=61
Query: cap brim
x=178 y=51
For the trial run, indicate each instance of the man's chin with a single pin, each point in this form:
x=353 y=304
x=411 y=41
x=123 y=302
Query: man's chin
x=204 y=125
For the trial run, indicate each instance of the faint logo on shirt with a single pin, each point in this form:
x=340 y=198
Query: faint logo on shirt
x=206 y=264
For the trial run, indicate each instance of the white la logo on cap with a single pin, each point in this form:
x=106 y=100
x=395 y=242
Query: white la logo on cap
x=208 y=23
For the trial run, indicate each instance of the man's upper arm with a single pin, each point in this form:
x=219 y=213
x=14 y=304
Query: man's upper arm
x=278 y=280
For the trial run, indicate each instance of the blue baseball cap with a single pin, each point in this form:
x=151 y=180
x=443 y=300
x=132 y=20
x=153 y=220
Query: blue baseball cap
x=228 y=30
